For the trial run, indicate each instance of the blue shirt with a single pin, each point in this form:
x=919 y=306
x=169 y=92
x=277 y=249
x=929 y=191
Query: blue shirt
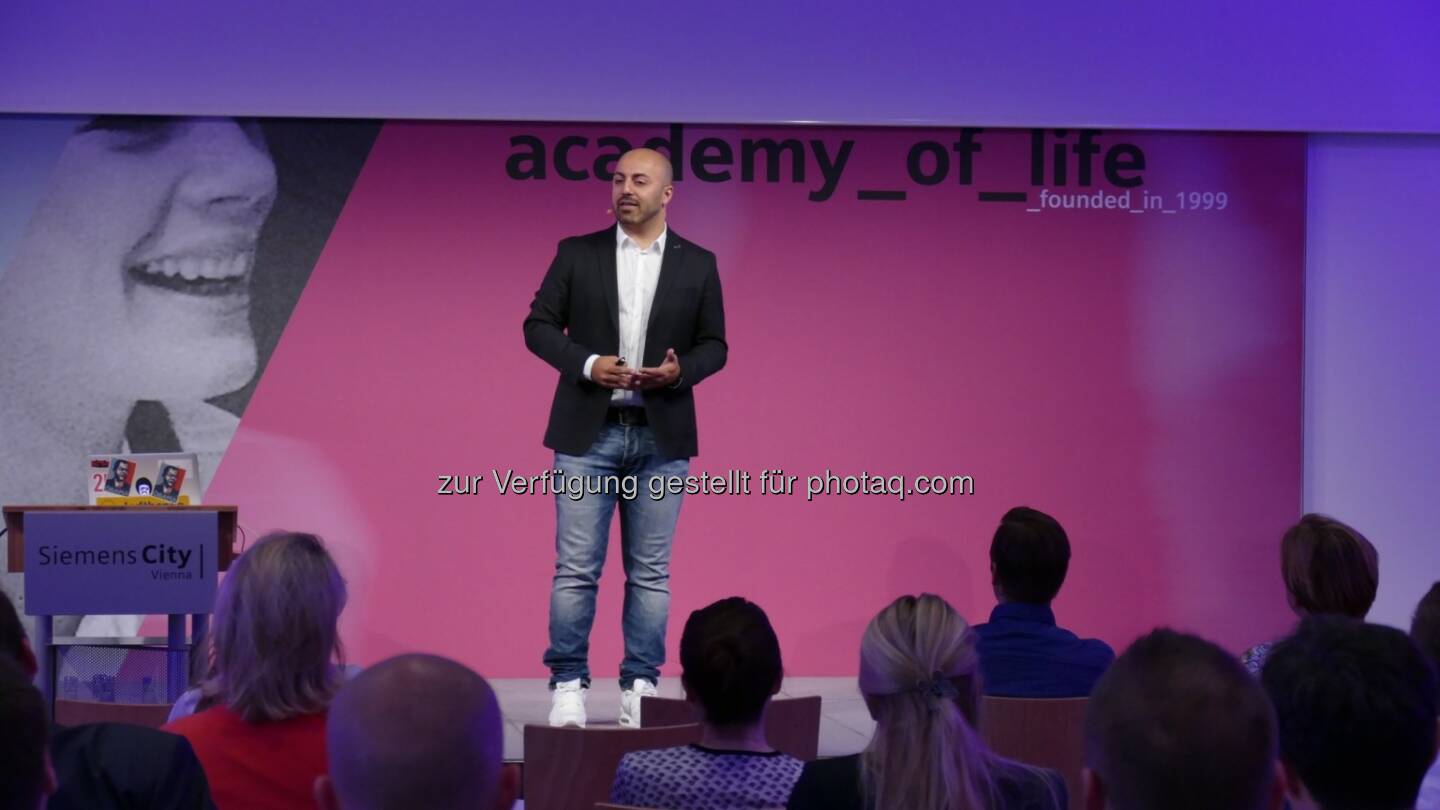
x=1023 y=654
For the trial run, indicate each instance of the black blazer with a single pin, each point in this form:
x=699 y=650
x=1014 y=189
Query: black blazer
x=576 y=314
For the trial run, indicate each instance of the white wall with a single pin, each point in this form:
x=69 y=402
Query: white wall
x=1372 y=353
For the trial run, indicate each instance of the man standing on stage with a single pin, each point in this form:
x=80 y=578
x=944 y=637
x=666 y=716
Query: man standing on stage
x=633 y=320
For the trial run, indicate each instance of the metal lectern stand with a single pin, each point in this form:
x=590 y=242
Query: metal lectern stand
x=106 y=560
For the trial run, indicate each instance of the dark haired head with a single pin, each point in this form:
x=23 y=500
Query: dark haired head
x=1425 y=629
x=1357 y=708
x=1029 y=556
x=1177 y=723
x=731 y=661
x=12 y=632
x=1329 y=568
x=24 y=775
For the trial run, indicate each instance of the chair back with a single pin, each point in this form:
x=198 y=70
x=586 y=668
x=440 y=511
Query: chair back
x=80 y=712
x=608 y=806
x=568 y=768
x=792 y=725
x=1046 y=732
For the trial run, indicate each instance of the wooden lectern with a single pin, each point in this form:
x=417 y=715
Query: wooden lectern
x=106 y=560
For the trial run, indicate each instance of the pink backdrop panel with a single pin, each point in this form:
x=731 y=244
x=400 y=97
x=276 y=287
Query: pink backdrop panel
x=1135 y=374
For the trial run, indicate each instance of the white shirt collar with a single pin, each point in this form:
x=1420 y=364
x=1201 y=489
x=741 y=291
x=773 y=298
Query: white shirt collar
x=658 y=245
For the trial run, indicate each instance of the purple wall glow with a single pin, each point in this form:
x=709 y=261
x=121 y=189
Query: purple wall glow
x=1370 y=437
x=1225 y=65
x=1372 y=378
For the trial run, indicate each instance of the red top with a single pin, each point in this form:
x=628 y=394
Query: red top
x=266 y=766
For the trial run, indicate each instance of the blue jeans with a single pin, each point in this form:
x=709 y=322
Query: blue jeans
x=623 y=459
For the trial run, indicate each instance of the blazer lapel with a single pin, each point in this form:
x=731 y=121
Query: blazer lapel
x=669 y=269
x=609 y=281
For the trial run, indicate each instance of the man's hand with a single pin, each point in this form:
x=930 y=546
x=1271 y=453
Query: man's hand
x=610 y=372
x=662 y=376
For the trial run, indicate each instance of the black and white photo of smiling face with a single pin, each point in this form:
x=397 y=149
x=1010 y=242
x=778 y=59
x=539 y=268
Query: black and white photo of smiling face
x=150 y=224
x=144 y=225
x=147 y=269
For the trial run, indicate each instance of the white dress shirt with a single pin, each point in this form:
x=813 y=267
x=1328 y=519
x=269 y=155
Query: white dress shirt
x=637 y=272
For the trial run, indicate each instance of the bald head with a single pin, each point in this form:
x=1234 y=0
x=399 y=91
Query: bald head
x=416 y=731
x=639 y=191
x=647 y=161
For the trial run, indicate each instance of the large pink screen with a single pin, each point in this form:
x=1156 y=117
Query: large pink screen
x=1133 y=370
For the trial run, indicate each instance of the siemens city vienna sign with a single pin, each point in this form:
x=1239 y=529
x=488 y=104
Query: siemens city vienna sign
x=99 y=562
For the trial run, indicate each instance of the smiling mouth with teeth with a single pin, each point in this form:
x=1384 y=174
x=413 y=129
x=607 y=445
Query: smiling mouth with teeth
x=227 y=274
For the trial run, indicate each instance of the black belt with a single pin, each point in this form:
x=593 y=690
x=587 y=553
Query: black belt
x=627 y=416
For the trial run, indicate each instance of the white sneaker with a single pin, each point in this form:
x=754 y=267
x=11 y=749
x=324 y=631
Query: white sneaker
x=630 y=702
x=567 y=704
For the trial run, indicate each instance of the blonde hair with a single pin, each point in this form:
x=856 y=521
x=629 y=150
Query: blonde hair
x=274 y=649
x=919 y=673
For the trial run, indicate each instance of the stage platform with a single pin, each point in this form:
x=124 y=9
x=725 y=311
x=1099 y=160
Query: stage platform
x=845 y=725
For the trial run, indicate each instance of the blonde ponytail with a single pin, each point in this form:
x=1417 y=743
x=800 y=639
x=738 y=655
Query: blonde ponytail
x=919 y=672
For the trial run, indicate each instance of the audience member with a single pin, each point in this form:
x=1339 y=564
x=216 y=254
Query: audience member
x=26 y=778
x=389 y=751
x=1350 y=721
x=274 y=653
x=1357 y=706
x=920 y=677
x=1177 y=724
x=13 y=643
x=1425 y=631
x=98 y=766
x=731 y=669
x=1328 y=568
x=1023 y=653
x=1425 y=626
x=190 y=700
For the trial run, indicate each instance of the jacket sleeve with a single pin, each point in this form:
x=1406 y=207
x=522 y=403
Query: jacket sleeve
x=708 y=353
x=549 y=318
